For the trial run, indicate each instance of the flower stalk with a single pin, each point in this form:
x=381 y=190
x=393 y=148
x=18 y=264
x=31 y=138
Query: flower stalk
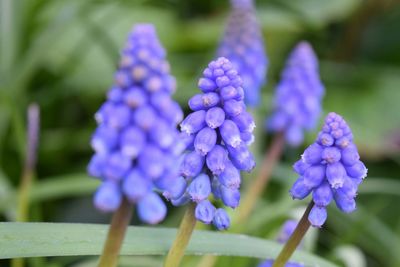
x=116 y=234
x=259 y=184
x=181 y=241
x=29 y=169
x=294 y=239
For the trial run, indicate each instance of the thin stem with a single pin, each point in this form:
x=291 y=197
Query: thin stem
x=29 y=169
x=181 y=241
x=116 y=234
x=259 y=184
x=294 y=239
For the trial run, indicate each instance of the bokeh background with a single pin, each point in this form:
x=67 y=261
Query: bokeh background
x=62 y=54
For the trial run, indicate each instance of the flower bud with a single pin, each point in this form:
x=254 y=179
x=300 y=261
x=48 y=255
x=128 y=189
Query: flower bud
x=216 y=159
x=215 y=117
x=205 y=211
x=192 y=164
x=200 y=188
x=194 y=122
x=221 y=219
x=317 y=216
x=107 y=197
x=151 y=209
x=230 y=197
x=205 y=140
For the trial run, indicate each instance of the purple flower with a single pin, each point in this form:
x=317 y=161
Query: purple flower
x=243 y=45
x=331 y=169
x=297 y=102
x=216 y=135
x=137 y=143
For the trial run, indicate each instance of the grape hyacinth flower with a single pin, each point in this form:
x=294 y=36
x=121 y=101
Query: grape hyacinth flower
x=217 y=134
x=298 y=96
x=135 y=142
x=243 y=45
x=330 y=169
x=286 y=231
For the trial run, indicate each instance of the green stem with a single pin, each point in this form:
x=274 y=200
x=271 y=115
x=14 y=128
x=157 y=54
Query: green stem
x=294 y=239
x=181 y=241
x=116 y=234
x=29 y=169
x=259 y=184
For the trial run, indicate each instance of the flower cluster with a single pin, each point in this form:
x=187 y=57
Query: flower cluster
x=243 y=45
x=287 y=230
x=297 y=102
x=331 y=169
x=217 y=134
x=135 y=140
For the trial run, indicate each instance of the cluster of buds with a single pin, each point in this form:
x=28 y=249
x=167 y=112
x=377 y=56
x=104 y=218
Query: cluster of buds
x=331 y=169
x=217 y=135
x=297 y=102
x=243 y=45
x=134 y=143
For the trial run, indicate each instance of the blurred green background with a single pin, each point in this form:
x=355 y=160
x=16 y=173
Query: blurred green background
x=62 y=54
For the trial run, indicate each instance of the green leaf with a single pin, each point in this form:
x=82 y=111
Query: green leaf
x=63 y=239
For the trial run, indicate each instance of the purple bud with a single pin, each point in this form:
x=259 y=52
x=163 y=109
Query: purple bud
x=242 y=158
x=207 y=85
x=104 y=139
x=331 y=154
x=210 y=100
x=194 y=122
x=200 y=188
x=350 y=155
x=173 y=187
x=163 y=134
x=135 y=97
x=117 y=166
x=230 y=133
x=233 y=107
x=196 y=102
x=132 y=141
x=317 y=216
x=335 y=173
x=115 y=94
x=216 y=159
x=314 y=176
x=345 y=203
x=135 y=186
x=358 y=170
x=108 y=197
x=300 y=166
x=215 y=117
x=151 y=209
x=151 y=161
x=343 y=142
x=222 y=81
x=221 y=219
x=299 y=190
x=313 y=154
x=96 y=165
x=323 y=195
x=245 y=122
x=230 y=177
x=205 y=211
x=192 y=164
x=120 y=118
x=349 y=188
x=205 y=140
x=145 y=117
x=230 y=197
x=325 y=139
x=228 y=92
